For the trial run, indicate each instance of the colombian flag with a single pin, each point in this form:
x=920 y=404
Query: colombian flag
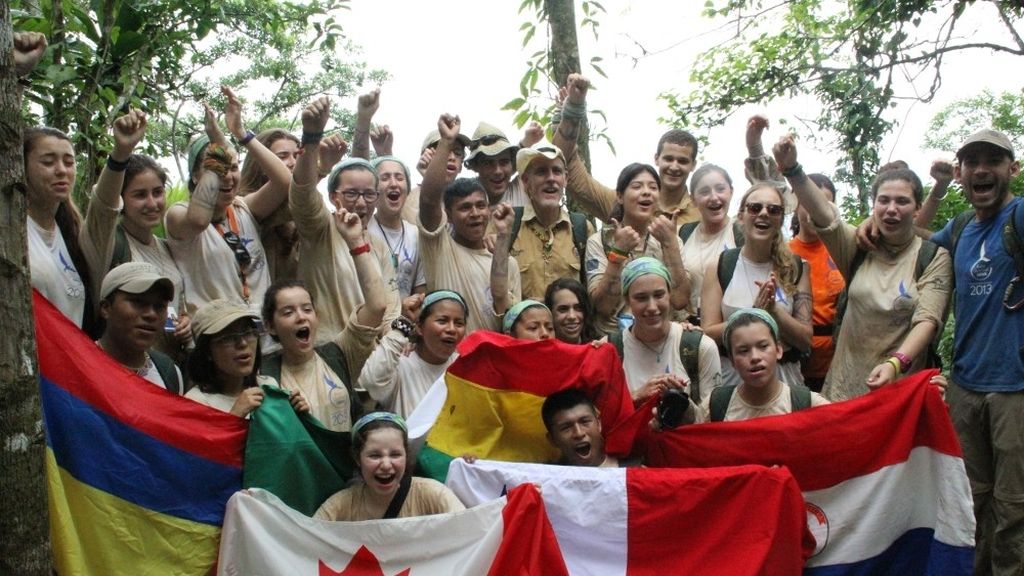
x=138 y=478
x=495 y=390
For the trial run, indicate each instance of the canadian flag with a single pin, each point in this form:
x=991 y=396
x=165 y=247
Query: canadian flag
x=509 y=535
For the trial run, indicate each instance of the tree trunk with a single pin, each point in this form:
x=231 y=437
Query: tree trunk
x=24 y=544
x=564 y=57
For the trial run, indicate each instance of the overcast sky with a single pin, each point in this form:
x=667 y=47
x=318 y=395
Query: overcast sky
x=466 y=57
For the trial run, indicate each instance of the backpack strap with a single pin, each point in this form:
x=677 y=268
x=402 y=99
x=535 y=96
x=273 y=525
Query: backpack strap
x=719 y=405
x=122 y=251
x=737 y=234
x=727 y=266
x=924 y=257
x=579 y=240
x=799 y=397
x=168 y=373
x=686 y=230
x=689 y=352
x=517 y=223
x=959 y=223
x=271 y=366
x=1013 y=241
x=615 y=338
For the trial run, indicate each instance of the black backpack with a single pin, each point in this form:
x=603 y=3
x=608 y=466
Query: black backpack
x=579 y=236
x=799 y=397
x=686 y=230
x=689 y=350
x=727 y=267
x=334 y=357
x=168 y=373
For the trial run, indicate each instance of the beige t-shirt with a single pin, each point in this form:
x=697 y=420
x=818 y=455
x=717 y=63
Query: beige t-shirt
x=699 y=251
x=739 y=409
x=209 y=266
x=397 y=381
x=452 y=266
x=641 y=363
x=426 y=497
x=597 y=265
x=327 y=267
x=884 y=304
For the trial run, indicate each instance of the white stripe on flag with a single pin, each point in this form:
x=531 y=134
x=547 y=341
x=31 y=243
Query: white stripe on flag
x=863 y=516
x=586 y=506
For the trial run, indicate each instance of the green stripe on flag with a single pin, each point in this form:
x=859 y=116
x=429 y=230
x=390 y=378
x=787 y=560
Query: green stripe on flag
x=433 y=463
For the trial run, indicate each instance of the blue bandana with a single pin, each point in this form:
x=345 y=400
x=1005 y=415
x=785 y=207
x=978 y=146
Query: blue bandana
x=641 y=267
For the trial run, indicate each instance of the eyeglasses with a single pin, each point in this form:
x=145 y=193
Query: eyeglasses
x=246 y=337
x=353 y=195
x=242 y=255
x=755 y=208
x=486 y=141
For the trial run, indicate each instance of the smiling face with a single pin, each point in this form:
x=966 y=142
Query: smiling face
x=674 y=162
x=441 y=331
x=234 y=349
x=145 y=200
x=755 y=353
x=545 y=182
x=640 y=199
x=468 y=217
x=576 y=432
x=765 y=224
x=294 y=321
x=568 y=316
x=894 y=209
x=50 y=170
x=712 y=195
x=382 y=461
x=649 y=302
x=985 y=172
x=534 y=324
x=134 y=321
x=393 y=189
x=495 y=173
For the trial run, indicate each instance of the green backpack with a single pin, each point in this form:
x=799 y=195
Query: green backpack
x=799 y=397
x=334 y=357
x=579 y=236
x=689 y=350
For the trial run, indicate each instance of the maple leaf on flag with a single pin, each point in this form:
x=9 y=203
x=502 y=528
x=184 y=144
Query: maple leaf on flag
x=364 y=563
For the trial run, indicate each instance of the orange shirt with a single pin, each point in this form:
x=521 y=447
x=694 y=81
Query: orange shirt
x=826 y=284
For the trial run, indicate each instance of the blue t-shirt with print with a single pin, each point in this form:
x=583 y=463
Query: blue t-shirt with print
x=988 y=341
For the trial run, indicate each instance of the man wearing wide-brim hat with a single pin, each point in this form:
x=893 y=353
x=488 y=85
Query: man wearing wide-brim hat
x=493 y=158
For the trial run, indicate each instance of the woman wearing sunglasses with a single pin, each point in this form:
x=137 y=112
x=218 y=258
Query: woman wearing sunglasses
x=762 y=274
x=896 y=302
x=215 y=236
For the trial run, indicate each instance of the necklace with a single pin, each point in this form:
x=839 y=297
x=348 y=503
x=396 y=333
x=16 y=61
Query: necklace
x=547 y=241
x=401 y=243
x=657 y=352
x=141 y=371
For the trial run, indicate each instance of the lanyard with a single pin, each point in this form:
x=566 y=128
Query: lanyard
x=233 y=223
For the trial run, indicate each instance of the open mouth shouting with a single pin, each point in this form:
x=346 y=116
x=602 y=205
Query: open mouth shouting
x=304 y=336
x=584 y=450
x=385 y=480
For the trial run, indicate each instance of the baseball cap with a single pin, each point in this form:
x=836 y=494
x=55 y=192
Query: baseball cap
x=136 y=278
x=988 y=136
x=527 y=155
x=217 y=315
x=488 y=141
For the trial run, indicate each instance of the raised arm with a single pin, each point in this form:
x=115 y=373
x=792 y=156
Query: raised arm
x=435 y=178
x=574 y=114
x=383 y=140
x=606 y=294
x=942 y=172
x=368 y=104
x=264 y=201
x=371 y=313
x=807 y=192
x=186 y=223
x=758 y=166
x=503 y=219
x=664 y=231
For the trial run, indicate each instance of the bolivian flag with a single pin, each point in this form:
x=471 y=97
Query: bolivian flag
x=495 y=391
x=138 y=478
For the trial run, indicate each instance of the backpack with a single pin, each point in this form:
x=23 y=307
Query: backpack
x=686 y=230
x=799 y=397
x=1013 y=240
x=122 y=251
x=335 y=359
x=689 y=349
x=579 y=236
x=168 y=372
x=727 y=267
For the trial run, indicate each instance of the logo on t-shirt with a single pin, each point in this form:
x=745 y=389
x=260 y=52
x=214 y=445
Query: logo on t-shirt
x=903 y=303
x=981 y=270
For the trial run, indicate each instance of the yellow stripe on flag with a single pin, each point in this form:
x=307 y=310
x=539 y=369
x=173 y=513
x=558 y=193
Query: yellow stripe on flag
x=493 y=424
x=93 y=532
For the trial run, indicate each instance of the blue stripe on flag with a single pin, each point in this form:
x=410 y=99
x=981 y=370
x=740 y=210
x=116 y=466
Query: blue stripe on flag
x=909 y=554
x=110 y=455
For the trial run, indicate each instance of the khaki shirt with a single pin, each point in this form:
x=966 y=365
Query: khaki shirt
x=545 y=254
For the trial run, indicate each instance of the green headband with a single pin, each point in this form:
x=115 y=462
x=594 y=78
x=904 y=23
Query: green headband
x=738 y=315
x=376 y=417
x=438 y=295
x=641 y=267
x=513 y=313
x=377 y=162
x=349 y=164
x=194 y=150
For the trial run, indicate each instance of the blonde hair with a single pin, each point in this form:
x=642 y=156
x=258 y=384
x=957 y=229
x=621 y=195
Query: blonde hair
x=783 y=263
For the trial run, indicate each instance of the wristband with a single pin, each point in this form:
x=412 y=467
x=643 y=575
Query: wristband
x=360 y=250
x=905 y=361
x=403 y=325
x=616 y=258
x=247 y=138
x=571 y=111
x=895 y=363
x=116 y=165
x=612 y=248
x=311 y=138
x=794 y=170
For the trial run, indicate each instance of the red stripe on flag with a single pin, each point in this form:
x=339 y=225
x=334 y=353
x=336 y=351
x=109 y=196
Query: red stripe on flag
x=70 y=360
x=528 y=545
x=822 y=446
x=751 y=520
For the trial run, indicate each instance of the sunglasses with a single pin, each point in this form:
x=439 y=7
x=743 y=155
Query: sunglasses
x=755 y=208
x=486 y=141
x=242 y=255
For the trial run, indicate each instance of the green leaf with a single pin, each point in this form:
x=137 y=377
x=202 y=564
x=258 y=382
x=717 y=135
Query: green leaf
x=514 y=104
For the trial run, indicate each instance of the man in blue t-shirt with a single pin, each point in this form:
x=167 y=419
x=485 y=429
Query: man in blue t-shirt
x=987 y=397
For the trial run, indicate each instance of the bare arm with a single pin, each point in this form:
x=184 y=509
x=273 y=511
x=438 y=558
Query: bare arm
x=503 y=218
x=807 y=192
x=435 y=178
x=712 y=322
x=796 y=328
x=368 y=104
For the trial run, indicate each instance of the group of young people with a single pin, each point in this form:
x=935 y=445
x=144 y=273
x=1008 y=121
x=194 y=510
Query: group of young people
x=357 y=305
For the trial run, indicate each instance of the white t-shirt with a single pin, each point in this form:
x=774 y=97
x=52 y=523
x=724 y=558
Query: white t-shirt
x=53 y=272
x=699 y=251
x=640 y=361
x=397 y=381
x=404 y=251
